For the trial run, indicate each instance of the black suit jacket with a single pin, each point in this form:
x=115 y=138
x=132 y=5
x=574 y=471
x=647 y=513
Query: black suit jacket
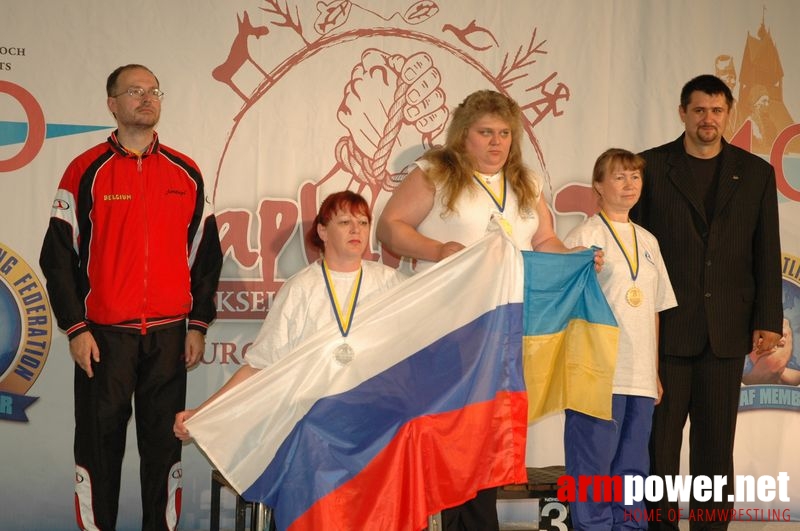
x=727 y=273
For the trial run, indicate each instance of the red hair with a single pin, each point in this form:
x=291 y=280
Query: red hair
x=345 y=201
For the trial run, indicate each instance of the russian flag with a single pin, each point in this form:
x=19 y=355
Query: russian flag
x=432 y=409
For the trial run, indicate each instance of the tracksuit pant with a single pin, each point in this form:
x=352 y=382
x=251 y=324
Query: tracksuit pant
x=477 y=514
x=617 y=447
x=150 y=370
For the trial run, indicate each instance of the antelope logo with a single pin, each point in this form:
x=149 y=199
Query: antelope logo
x=239 y=55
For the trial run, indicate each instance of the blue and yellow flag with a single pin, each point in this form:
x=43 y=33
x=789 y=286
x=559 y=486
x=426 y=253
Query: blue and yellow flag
x=570 y=336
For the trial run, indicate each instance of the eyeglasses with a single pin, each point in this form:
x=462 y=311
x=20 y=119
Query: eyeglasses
x=138 y=93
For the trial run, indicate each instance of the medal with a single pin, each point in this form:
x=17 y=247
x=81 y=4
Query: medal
x=505 y=224
x=634 y=296
x=499 y=202
x=343 y=353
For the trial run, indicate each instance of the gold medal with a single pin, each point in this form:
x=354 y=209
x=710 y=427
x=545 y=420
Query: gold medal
x=634 y=296
x=505 y=224
x=499 y=201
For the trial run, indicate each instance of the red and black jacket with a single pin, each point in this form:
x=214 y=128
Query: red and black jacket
x=132 y=242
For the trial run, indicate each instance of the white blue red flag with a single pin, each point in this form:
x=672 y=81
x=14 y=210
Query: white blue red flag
x=432 y=408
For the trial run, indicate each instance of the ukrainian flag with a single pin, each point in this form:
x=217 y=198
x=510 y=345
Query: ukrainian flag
x=570 y=336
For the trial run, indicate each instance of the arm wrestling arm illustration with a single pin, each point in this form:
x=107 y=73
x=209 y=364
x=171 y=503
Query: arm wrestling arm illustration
x=392 y=107
x=770 y=367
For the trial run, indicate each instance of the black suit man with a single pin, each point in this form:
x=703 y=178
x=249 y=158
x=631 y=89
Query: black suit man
x=713 y=208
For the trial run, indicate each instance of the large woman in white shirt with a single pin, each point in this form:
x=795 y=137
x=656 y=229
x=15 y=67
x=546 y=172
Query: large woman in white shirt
x=448 y=201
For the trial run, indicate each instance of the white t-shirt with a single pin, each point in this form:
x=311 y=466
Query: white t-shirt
x=635 y=373
x=474 y=211
x=302 y=307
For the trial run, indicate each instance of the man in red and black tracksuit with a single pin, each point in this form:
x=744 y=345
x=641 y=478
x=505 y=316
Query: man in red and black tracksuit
x=132 y=260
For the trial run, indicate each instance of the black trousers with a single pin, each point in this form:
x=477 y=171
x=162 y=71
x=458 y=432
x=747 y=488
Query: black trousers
x=705 y=389
x=151 y=370
x=477 y=514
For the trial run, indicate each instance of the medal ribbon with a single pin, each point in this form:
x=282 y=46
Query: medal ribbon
x=633 y=264
x=500 y=202
x=343 y=318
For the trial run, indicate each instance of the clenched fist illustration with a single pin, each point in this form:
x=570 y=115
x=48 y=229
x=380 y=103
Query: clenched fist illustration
x=385 y=95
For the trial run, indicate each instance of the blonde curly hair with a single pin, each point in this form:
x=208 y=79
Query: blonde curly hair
x=451 y=166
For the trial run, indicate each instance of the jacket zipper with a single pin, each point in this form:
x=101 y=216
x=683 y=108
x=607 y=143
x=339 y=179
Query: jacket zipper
x=146 y=244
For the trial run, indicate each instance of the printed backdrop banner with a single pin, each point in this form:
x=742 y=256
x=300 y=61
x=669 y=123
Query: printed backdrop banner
x=281 y=102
